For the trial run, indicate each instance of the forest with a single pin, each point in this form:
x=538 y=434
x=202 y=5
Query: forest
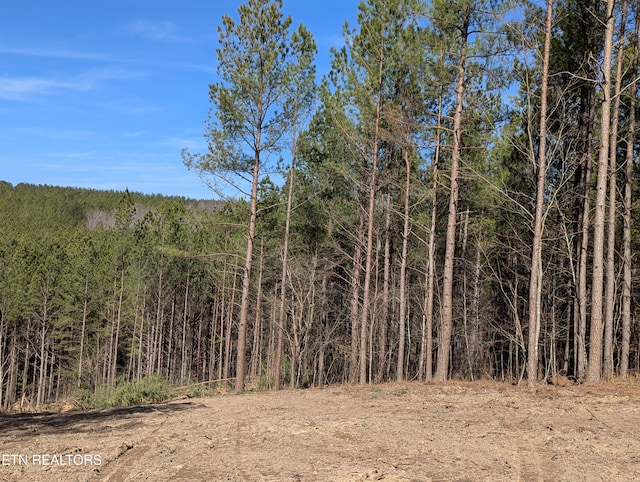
x=455 y=199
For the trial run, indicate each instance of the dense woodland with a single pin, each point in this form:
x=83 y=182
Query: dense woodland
x=456 y=198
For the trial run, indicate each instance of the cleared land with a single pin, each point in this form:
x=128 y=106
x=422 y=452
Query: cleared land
x=394 y=432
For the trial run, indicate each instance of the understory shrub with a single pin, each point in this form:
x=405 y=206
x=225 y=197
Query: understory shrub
x=153 y=389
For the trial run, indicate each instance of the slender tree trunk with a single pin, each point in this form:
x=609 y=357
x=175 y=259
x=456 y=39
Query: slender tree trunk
x=25 y=365
x=199 y=361
x=355 y=301
x=159 y=338
x=51 y=376
x=139 y=311
x=476 y=334
x=627 y=220
x=172 y=358
x=535 y=281
x=183 y=347
x=273 y=329
x=607 y=368
x=583 y=217
x=464 y=235
x=140 y=345
x=155 y=326
x=444 y=348
x=13 y=374
x=222 y=359
x=256 y=360
x=386 y=289
x=403 y=269
x=594 y=371
x=229 y=324
x=246 y=276
x=283 y=277
x=43 y=360
x=151 y=348
x=431 y=269
x=584 y=228
x=106 y=366
x=85 y=305
x=364 y=314
x=212 y=341
x=116 y=341
x=296 y=324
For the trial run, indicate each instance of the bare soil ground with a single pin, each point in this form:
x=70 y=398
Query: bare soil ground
x=394 y=432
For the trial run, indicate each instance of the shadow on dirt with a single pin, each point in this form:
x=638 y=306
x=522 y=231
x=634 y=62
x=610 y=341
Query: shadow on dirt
x=27 y=424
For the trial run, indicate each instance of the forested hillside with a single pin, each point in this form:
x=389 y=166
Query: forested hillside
x=458 y=202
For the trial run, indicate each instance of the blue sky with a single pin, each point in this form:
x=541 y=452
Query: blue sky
x=104 y=94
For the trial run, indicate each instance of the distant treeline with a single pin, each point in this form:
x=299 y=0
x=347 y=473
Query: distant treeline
x=55 y=207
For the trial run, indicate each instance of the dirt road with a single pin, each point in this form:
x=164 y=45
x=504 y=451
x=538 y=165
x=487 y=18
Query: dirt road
x=396 y=432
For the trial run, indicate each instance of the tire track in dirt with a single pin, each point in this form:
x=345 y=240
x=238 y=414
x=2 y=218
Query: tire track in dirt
x=537 y=465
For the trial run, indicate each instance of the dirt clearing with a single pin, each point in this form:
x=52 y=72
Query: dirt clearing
x=394 y=432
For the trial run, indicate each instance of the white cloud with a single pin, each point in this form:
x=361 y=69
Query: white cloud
x=24 y=88
x=19 y=88
x=135 y=134
x=55 y=53
x=157 y=31
x=179 y=143
x=74 y=156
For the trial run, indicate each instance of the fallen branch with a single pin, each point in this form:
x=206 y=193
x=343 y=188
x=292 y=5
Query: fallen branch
x=185 y=387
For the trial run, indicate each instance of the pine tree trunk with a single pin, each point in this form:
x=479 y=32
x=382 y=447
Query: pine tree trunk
x=222 y=359
x=183 y=345
x=172 y=359
x=403 y=269
x=607 y=366
x=283 y=277
x=140 y=346
x=229 y=325
x=386 y=288
x=256 y=360
x=246 y=276
x=85 y=304
x=25 y=365
x=199 y=361
x=355 y=301
x=431 y=269
x=156 y=369
x=138 y=308
x=444 y=345
x=627 y=219
x=212 y=337
x=584 y=189
x=373 y=188
x=594 y=370
x=10 y=392
x=43 y=360
x=156 y=326
x=116 y=338
x=535 y=281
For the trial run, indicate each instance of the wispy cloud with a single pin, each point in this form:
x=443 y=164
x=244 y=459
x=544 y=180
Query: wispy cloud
x=135 y=134
x=55 y=53
x=157 y=31
x=76 y=156
x=179 y=143
x=21 y=88
x=25 y=88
